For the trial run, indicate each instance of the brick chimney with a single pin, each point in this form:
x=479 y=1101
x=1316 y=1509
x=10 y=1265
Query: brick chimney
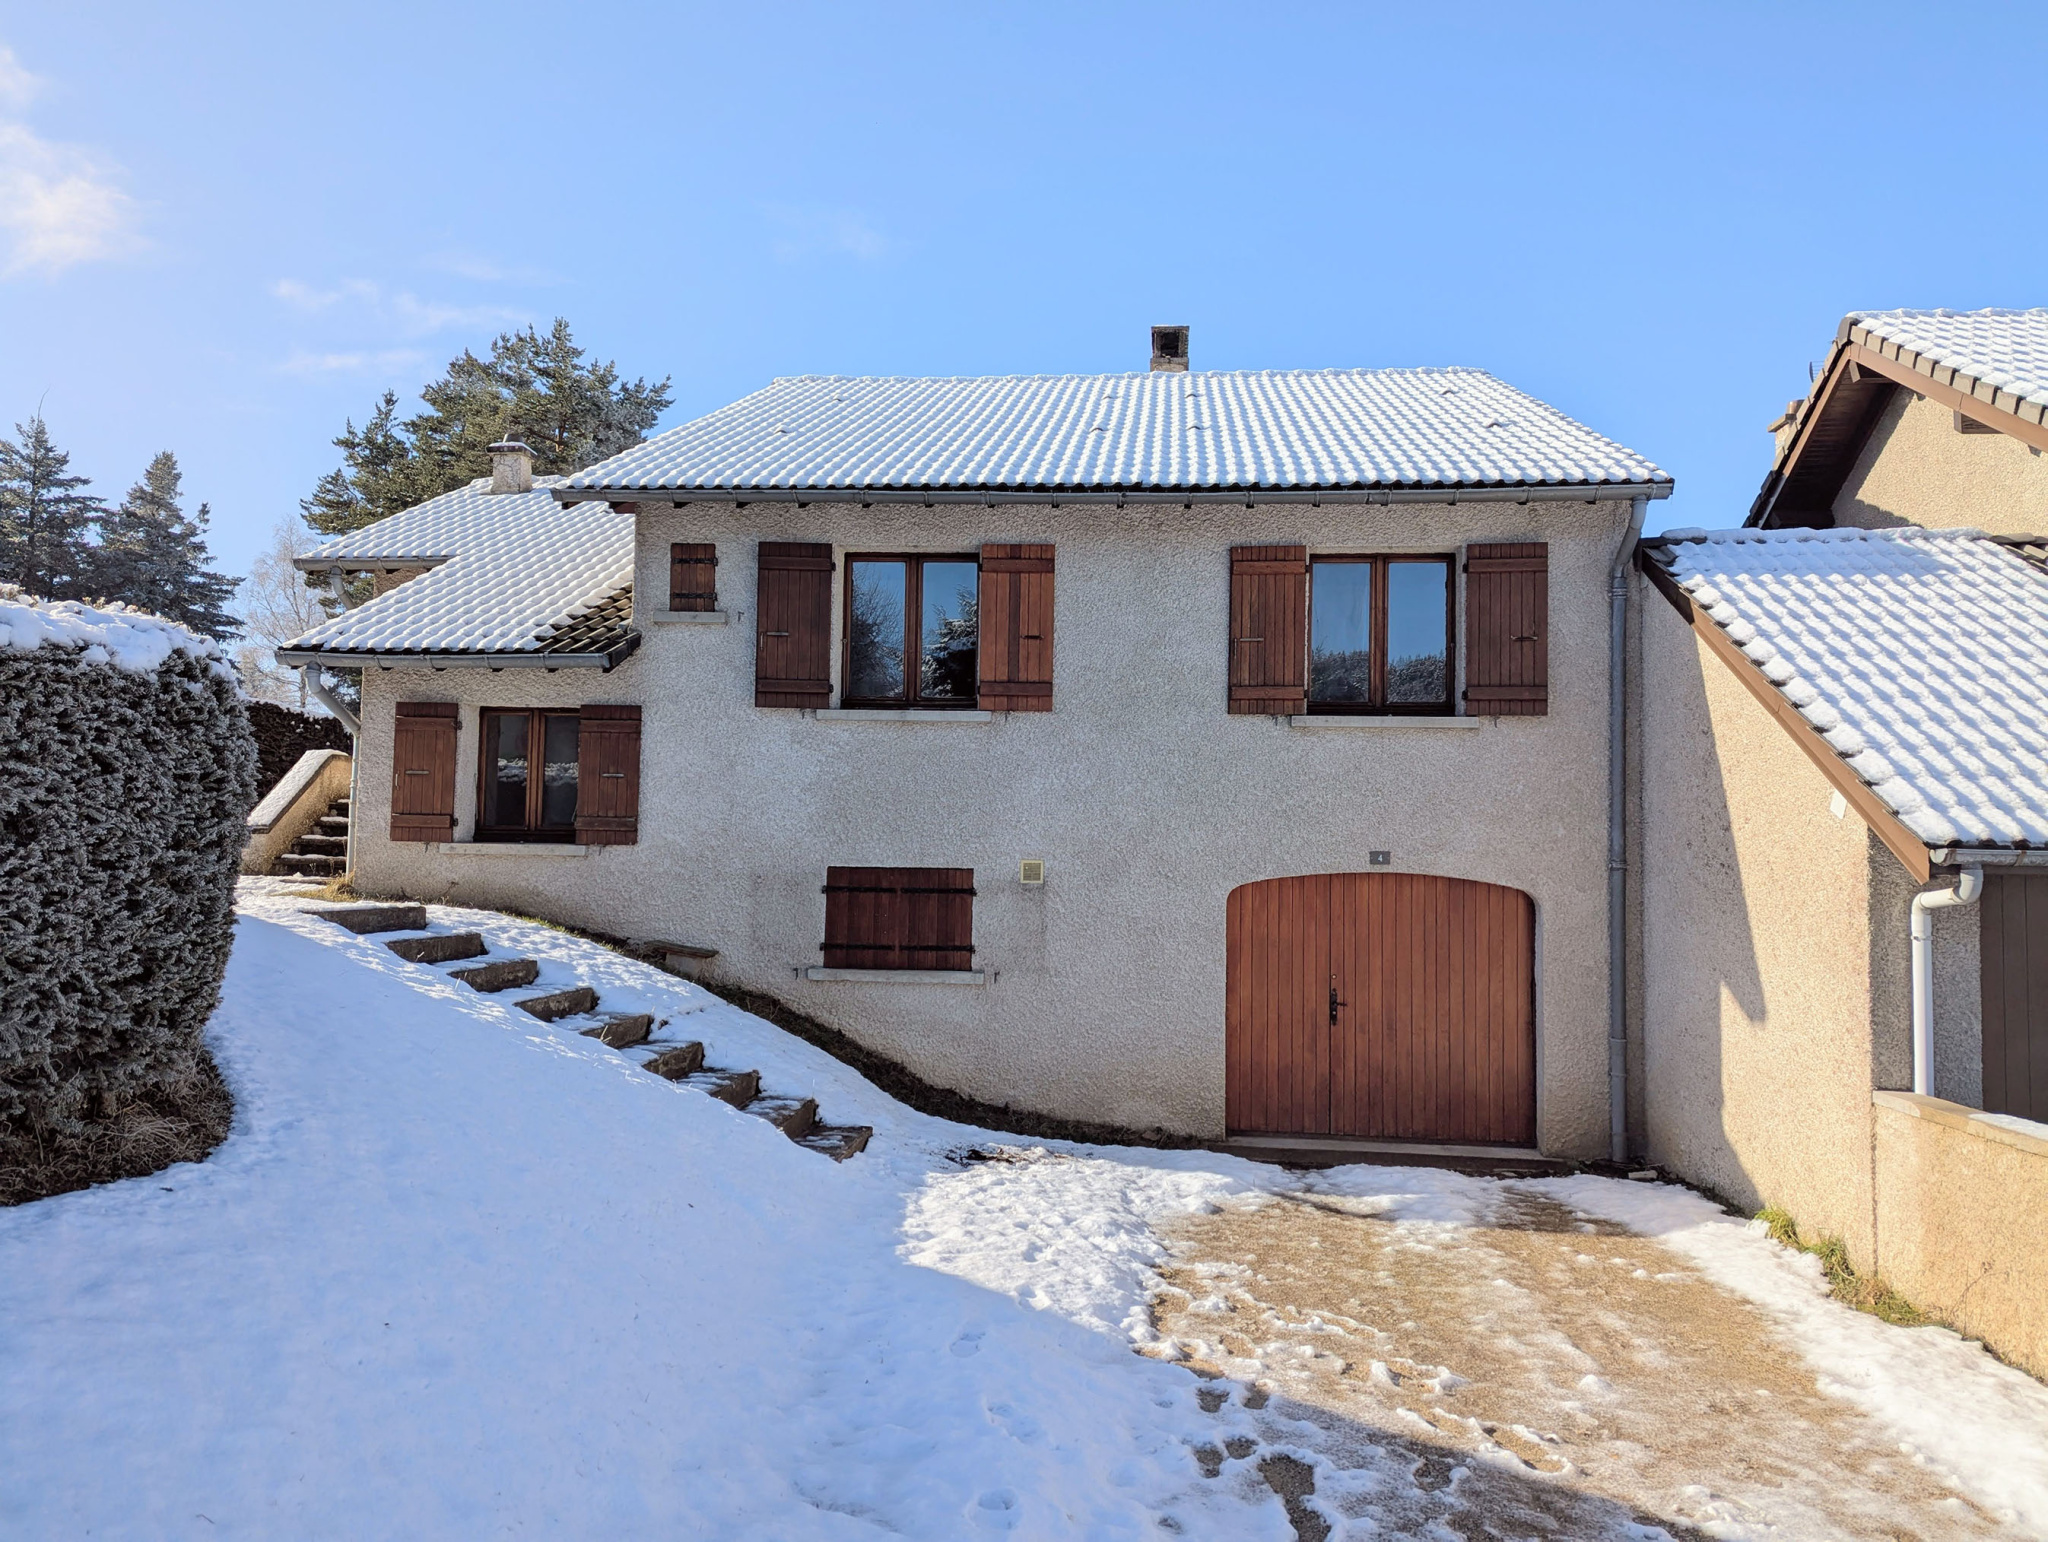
x=511 y=467
x=1170 y=348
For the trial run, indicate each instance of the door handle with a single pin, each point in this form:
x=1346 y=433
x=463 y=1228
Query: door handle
x=1334 y=1002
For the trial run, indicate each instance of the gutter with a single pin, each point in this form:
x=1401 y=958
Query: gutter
x=1925 y=903
x=1579 y=492
x=610 y=659
x=1617 y=834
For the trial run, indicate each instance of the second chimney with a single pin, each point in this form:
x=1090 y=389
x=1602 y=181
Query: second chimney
x=511 y=467
x=1170 y=348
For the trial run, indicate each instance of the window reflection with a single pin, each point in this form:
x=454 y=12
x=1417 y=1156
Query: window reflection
x=558 y=774
x=913 y=631
x=876 y=630
x=952 y=627
x=505 y=794
x=1340 y=632
x=1418 y=612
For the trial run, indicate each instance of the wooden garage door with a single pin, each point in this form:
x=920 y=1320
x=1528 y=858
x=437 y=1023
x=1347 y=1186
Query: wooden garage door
x=1394 y=1006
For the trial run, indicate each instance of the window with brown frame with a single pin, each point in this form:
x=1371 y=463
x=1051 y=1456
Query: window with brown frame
x=913 y=625
x=527 y=782
x=1380 y=635
x=899 y=918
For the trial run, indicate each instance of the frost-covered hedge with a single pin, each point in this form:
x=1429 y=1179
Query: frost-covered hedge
x=126 y=771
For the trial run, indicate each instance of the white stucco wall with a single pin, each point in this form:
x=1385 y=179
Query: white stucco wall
x=1146 y=800
x=1917 y=470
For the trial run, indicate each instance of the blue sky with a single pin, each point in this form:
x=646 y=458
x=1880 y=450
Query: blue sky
x=225 y=228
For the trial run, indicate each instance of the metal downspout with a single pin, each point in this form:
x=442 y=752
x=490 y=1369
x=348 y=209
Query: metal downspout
x=1924 y=904
x=317 y=684
x=1617 y=835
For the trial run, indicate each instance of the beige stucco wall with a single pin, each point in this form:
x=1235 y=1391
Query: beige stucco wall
x=1960 y=1201
x=1147 y=802
x=1917 y=470
x=328 y=784
x=1775 y=959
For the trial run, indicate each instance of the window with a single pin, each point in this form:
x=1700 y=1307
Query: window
x=517 y=803
x=1379 y=634
x=912 y=631
x=899 y=918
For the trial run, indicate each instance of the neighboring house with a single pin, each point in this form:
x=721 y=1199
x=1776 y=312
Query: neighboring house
x=1934 y=418
x=1207 y=751
x=1833 y=721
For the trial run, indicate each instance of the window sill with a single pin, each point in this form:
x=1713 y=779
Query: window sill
x=685 y=617
x=1341 y=720
x=510 y=848
x=902 y=715
x=900 y=976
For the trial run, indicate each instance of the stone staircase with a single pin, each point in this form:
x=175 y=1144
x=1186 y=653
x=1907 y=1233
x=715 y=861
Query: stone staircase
x=322 y=852
x=633 y=1034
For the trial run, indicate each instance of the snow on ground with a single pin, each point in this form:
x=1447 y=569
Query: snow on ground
x=460 y=1273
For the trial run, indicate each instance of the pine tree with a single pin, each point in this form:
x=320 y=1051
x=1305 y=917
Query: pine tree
x=45 y=516
x=154 y=556
x=533 y=387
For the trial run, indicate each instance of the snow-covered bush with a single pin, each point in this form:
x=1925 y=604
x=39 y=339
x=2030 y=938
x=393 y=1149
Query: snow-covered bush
x=126 y=771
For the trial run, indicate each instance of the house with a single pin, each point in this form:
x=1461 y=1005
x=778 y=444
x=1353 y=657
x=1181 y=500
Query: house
x=1208 y=751
x=1842 y=912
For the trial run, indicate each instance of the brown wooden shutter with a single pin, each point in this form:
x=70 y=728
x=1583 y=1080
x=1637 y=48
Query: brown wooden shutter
x=423 y=771
x=899 y=918
x=692 y=576
x=793 y=626
x=1269 y=629
x=1016 y=629
x=608 y=776
x=1507 y=629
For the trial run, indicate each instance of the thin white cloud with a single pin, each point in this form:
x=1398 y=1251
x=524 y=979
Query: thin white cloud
x=59 y=206
x=385 y=361
x=403 y=312
x=812 y=232
x=487 y=270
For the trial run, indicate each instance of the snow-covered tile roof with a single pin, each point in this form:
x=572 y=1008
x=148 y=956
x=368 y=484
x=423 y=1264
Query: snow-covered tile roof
x=1921 y=656
x=1240 y=429
x=511 y=573
x=2005 y=350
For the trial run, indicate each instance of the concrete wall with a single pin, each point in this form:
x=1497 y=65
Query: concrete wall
x=1960 y=1200
x=1147 y=802
x=1775 y=955
x=1917 y=470
x=295 y=805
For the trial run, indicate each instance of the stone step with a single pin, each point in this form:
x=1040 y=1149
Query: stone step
x=794 y=1117
x=300 y=862
x=334 y=845
x=837 y=1141
x=498 y=975
x=572 y=1002
x=739 y=1088
x=438 y=950
x=676 y=1062
x=622 y=1030
x=336 y=823
x=375 y=918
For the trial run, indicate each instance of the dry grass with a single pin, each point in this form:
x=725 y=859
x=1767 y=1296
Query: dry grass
x=1866 y=1293
x=181 y=1122
x=336 y=891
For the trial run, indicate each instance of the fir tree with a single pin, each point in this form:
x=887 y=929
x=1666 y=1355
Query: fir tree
x=154 y=556
x=534 y=387
x=45 y=516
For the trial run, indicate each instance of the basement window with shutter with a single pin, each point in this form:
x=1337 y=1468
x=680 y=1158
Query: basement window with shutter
x=529 y=776
x=899 y=918
x=1379 y=635
x=913 y=631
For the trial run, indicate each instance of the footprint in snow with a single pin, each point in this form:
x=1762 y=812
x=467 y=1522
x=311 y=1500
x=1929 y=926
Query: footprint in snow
x=969 y=1343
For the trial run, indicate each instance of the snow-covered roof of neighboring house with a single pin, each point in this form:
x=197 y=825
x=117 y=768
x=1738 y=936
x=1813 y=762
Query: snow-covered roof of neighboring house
x=1920 y=656
x=1154 y=433
x=2004 y=350
x=512 y=578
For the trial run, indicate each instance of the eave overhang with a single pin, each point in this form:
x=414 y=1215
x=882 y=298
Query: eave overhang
x=1520 y=492
x=406 y=658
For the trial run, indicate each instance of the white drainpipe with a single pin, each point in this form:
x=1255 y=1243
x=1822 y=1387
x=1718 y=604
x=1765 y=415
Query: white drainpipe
x=315 y=682
x=1617 y=835
x=1964 y=893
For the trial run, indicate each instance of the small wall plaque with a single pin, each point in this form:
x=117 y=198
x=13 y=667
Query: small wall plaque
x=1031 y=870
x=1381 y=858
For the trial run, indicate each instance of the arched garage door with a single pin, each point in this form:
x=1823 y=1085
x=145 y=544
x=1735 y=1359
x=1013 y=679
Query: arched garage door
x=1390 y=1005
